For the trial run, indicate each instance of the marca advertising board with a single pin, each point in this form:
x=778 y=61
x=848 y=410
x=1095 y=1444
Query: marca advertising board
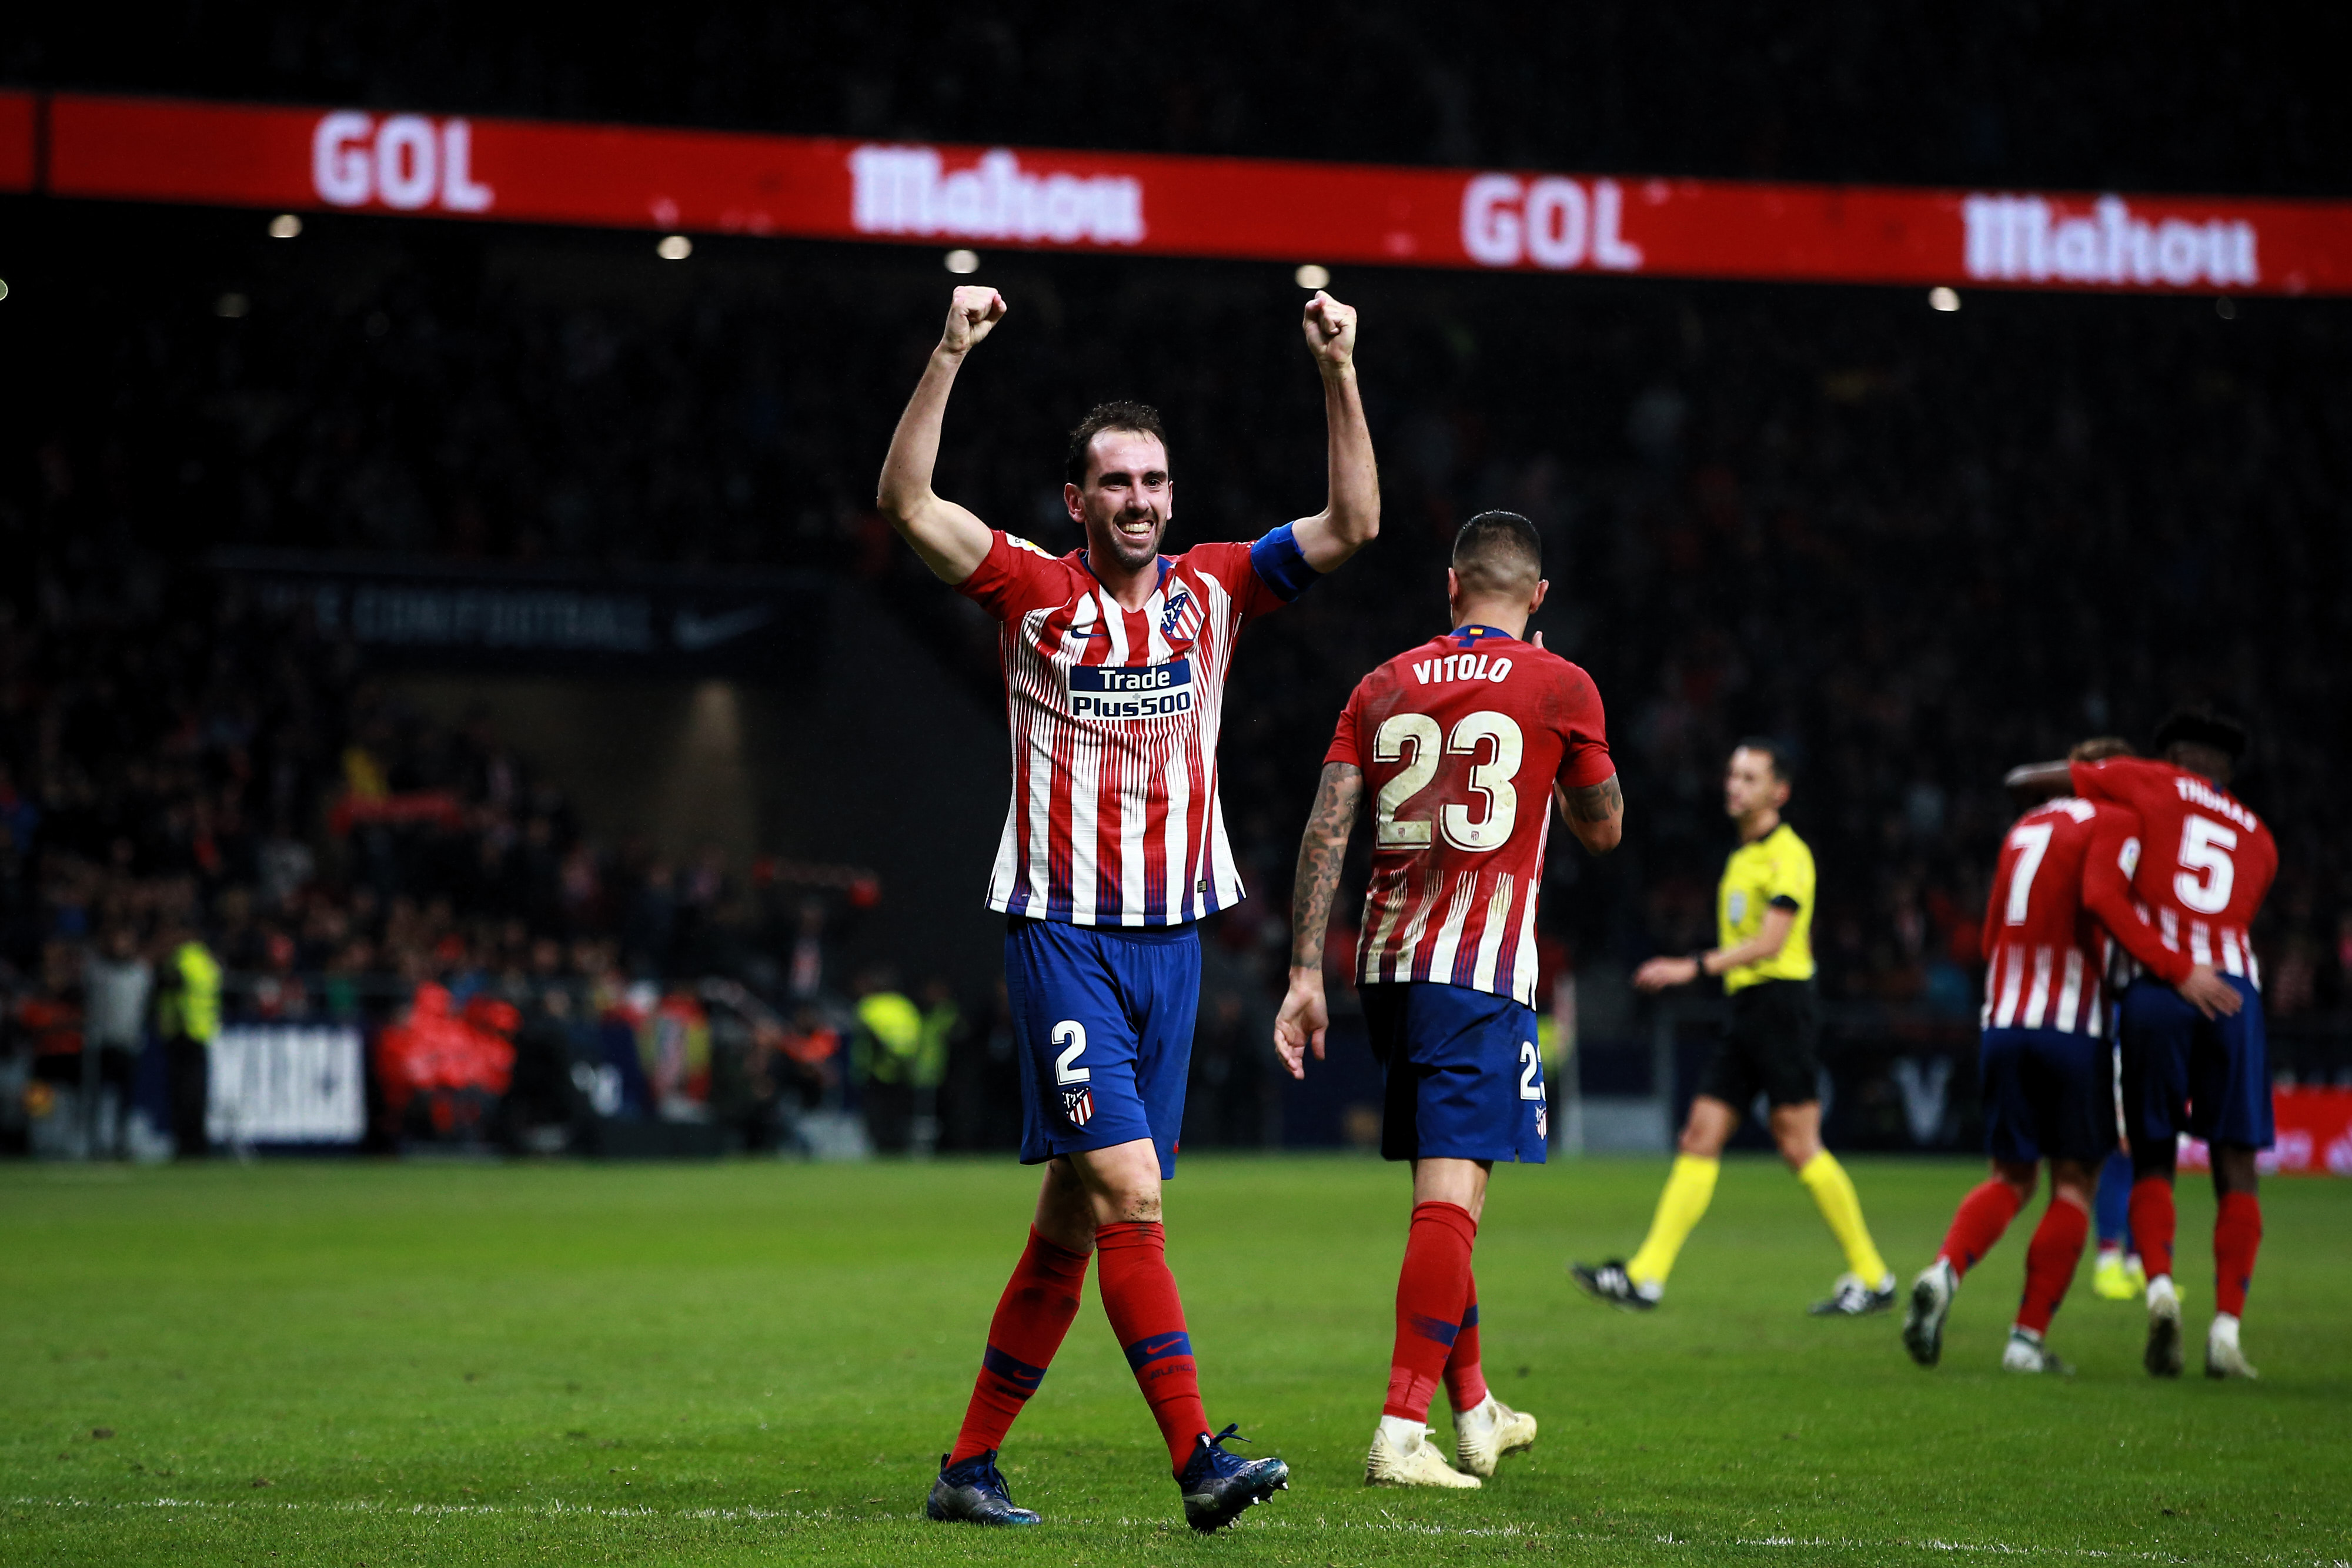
x=126 y=149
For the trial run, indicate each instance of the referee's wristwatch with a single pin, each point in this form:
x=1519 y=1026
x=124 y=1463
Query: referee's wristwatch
x=1698 y=960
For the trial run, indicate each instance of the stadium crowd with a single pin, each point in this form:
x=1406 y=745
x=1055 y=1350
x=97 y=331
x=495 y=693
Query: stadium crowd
x=1917 y=546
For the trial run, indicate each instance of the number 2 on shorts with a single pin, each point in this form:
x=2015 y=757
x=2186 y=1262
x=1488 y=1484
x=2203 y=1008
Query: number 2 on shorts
x=1071 y=1035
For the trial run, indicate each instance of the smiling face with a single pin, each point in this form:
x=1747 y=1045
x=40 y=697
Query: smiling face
x=1127 y=500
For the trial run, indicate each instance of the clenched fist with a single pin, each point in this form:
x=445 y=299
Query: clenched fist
x=1330 y=329
x=973 y=314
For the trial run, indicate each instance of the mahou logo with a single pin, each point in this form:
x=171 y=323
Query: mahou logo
x=911 y=191
x=2031 y=239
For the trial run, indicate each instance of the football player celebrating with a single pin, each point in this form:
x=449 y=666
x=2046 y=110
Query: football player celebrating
x=1115 y=663
x=2182 y=897
x=2046 y=1069
x=1463 y=744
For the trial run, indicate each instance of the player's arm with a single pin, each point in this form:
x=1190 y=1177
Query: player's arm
x=2034 y=782
x=2106 y=893
x=1305 y=1016
x=1595 y=814
x=952 y=542
x=1351 y=517
x=1779 y=919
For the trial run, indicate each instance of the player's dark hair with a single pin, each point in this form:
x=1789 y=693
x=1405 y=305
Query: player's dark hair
x=2201 y=724
x=1774 y=751
x=1117 y=414
x=1498 y=552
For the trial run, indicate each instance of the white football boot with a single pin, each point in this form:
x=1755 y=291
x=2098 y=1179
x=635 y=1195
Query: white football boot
x=1404 y=1456
x=1487 y=1433
x=2026 y=1352
x=2223 y=1359
x=1931 y=1303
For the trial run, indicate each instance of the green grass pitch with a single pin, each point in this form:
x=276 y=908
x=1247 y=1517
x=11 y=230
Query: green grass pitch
x=350 y=1364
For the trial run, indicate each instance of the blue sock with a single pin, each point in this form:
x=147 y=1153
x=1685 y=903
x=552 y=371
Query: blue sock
x=2113 y=1203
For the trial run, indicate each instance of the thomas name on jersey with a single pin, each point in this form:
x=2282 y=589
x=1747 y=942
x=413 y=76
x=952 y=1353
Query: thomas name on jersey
x=1130 y=691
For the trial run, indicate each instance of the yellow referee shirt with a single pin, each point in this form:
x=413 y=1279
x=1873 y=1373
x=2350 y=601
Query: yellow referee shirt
x=1776 y=869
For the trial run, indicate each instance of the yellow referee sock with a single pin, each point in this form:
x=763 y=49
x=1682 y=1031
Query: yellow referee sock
x=1833 y=1190
x=1689 y=1188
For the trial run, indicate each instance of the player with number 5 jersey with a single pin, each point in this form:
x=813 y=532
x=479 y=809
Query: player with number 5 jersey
x=1463 y=743
x=1115 y=664
x=2182 y=896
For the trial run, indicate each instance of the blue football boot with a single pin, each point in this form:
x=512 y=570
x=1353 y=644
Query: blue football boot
x=1218 y=1486
x=974 y=1492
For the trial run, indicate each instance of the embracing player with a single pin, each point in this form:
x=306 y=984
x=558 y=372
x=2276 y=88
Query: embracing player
x=2046 y=1069
x=2182 y=896
x=1463 y=743
x=1114 y=844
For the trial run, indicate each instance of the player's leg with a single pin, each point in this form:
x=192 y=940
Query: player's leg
x=2231 y=1100
x=1986 y=1212
x=1432 y=1298
x=2157 y=1030
x=1639 y=1284
x=1160 y=983
x=2051 y=1258
x=1056 y=988
x=2113 y=1277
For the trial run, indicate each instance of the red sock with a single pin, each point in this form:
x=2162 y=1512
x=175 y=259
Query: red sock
x=1139 y=1296
x=2050 y=1261
x=2153 y=1222
x=1466 y=1384
x=1983 y=1215
x=1031 y=1317
x=1430 y=1290
x=2237 y=1237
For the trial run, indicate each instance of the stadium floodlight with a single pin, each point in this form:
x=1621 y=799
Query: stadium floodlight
x=231 y=306
x=961 y=261
x=1310 y=276
x=4 y=288
x=673 y=247
x=2225 y=307
x=1942 y=298
x=285 y=225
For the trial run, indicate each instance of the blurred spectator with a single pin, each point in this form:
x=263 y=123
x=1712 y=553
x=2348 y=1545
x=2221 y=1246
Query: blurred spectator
x=895 y=1058
x=118 y=981
x=187 y=1017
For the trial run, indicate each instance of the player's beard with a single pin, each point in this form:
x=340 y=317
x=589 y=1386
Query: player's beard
x=1133 y=555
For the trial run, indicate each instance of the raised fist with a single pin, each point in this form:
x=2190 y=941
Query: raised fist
x=973 y=314
x=1330 y=329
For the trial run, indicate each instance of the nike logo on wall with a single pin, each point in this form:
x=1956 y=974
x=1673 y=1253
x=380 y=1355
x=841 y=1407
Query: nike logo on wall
x=694 y=632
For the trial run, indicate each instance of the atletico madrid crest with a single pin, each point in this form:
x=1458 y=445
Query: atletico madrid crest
x=1078 y=1106
x=1543 y=1123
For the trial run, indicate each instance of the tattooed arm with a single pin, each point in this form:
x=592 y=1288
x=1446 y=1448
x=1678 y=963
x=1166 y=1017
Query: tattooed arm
x=1595 y=814
x=1305 y=1016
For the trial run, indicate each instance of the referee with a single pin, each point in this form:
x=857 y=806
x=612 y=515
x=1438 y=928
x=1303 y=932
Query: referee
x=1764 y=956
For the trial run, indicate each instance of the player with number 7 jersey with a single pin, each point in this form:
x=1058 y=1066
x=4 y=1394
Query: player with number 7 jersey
x=1463 y=744
x=2181 y=895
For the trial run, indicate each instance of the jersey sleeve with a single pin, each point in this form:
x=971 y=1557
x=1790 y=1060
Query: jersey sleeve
x=1788 y=881
x=1344 y=747
x=2112 y=782
x=2108 y=871
x=1261 y=577
x=1015 y=577
x=1584 y=758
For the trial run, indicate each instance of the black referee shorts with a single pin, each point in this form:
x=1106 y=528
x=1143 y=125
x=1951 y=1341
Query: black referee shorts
x=1772 y=1048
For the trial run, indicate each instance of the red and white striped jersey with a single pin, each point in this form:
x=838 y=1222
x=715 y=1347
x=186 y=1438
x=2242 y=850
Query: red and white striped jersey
x=2043 y=952
x=1114 y=819
x=2197 y=874
x=1460 y=741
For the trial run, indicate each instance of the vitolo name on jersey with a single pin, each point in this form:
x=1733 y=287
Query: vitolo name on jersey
x=1132 y=691
x=1462 y=667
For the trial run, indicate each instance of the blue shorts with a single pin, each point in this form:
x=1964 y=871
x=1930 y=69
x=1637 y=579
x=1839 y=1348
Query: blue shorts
x=2048 y=1095
x=2184 y=1073
x=1464 y=1076
x=1102 y=1019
